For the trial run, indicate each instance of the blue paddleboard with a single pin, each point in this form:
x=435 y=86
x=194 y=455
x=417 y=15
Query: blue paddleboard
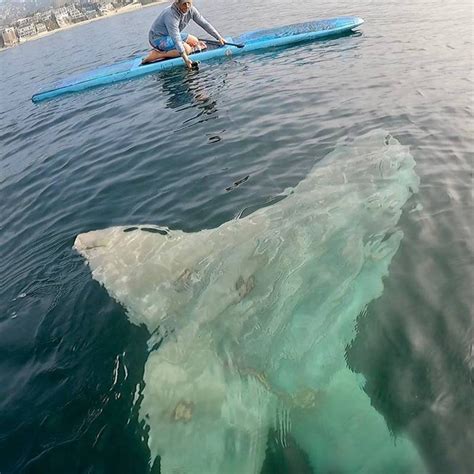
x=252 y=41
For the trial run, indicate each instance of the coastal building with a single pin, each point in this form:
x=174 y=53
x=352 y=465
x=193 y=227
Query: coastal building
x=106 y=9
x=22 y=22
x=60 y=11
x=62 y=17
x=24 y=32
x=63 y=20
x=40 y=28
x=9 y=36
x=75 y=14
x=43 y=16
x=91 y=13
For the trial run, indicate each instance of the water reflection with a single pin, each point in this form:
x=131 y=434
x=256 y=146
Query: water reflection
x=184 y=89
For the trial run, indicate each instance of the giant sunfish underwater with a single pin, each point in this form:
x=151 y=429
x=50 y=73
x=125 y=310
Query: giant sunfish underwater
x=253 y=319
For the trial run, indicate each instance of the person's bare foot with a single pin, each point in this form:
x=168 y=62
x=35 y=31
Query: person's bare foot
x=148 y=61
x=200 y=46
x=152 y=57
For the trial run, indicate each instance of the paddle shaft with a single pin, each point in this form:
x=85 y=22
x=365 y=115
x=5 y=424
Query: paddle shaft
x=217 y=42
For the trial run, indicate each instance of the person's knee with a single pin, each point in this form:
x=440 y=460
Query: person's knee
x=188 y=48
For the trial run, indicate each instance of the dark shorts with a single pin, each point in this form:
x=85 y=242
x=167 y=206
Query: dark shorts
x=165 y=43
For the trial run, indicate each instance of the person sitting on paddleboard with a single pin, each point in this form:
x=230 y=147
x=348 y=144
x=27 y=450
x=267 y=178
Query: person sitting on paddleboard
x=165 y=34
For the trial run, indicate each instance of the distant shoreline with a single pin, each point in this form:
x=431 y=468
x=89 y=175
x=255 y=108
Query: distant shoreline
x=126 y=9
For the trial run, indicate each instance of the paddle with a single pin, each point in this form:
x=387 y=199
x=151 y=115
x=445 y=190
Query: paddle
x=237 y=45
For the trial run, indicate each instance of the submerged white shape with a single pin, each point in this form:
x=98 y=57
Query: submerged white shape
x=207 y=417
x=256 y=314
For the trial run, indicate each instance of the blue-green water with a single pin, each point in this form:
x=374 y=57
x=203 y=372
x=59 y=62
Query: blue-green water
x=193 y=150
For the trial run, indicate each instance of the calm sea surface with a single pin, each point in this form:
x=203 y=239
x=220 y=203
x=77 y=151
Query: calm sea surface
x=169 y=149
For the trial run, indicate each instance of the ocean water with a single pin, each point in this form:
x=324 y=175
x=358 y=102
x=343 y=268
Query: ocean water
x=277 y=138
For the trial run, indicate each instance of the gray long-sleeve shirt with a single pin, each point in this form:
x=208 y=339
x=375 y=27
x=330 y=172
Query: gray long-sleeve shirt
x=172 y=21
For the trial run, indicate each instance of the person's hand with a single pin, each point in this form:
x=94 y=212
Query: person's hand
x=187 y=61
x=222 y=41
x=192 y=65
